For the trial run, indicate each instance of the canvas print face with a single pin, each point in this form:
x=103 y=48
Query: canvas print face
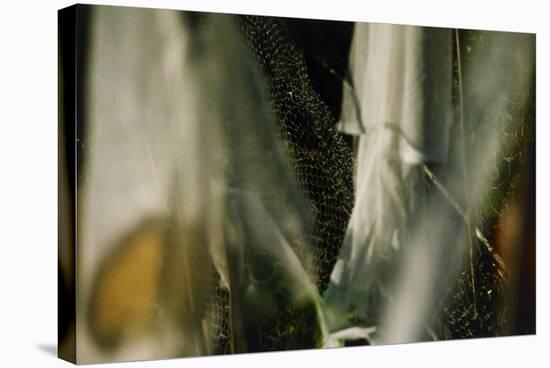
x=238 y=183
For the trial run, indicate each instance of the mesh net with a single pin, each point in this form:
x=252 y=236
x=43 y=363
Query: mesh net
x=478 y=298
x=319 y=155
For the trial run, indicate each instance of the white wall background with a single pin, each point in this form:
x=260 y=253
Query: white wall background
x=28 y=180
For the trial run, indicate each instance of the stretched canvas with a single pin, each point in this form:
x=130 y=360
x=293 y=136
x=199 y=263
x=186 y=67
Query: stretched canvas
x=245 y=183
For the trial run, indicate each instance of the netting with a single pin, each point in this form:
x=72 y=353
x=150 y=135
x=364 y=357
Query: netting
x=320 y=157
x=498 y=111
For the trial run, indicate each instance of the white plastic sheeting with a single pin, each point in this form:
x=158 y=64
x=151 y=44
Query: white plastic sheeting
x=401 y=77
x=400 y=108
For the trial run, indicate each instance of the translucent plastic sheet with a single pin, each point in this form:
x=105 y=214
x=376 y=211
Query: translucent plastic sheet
x=402 y=81
x=186 y=192
x=400 y=108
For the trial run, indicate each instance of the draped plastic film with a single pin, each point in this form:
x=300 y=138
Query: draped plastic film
x=402 y=81
x=188 y=191
x=400 y=108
